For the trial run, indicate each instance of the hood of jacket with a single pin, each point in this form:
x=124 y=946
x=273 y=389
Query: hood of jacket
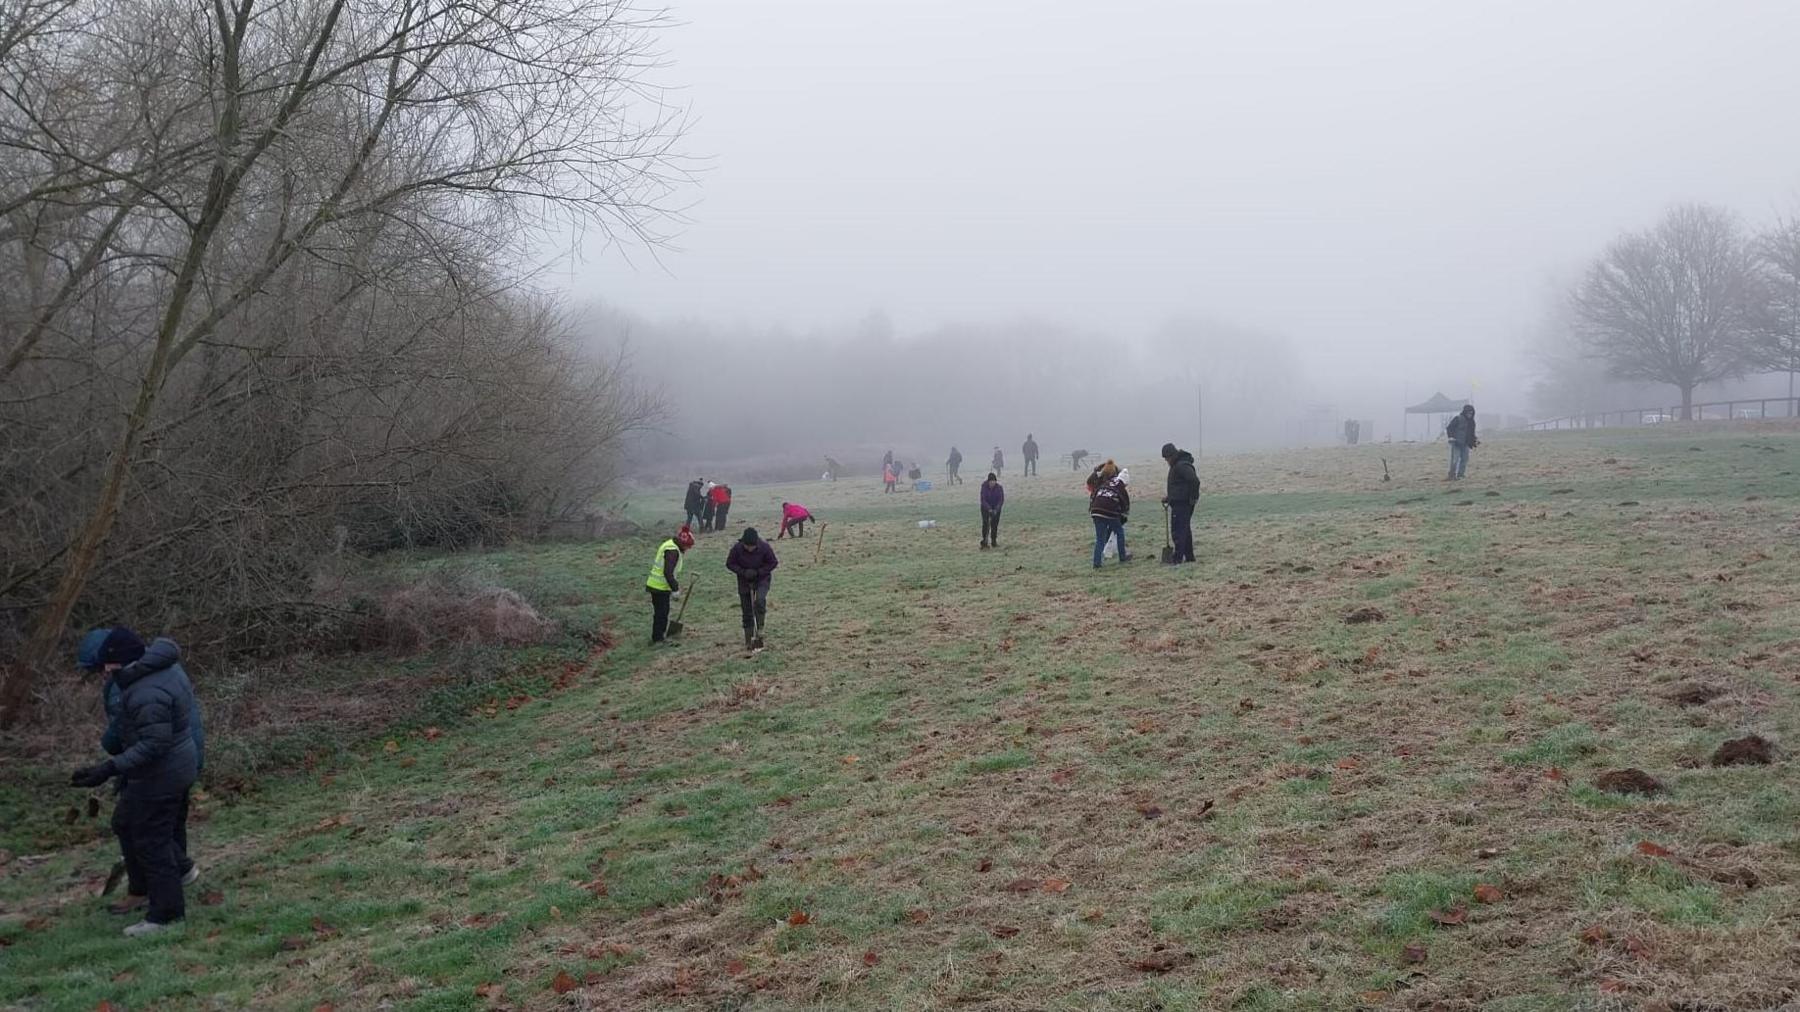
x=162 y=654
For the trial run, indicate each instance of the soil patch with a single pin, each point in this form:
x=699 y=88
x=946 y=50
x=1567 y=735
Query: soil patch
x=1750 y=750
x=1628 y=781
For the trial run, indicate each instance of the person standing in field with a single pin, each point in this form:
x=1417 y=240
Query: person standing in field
x=753 y=561
x=992 y=498
x=1031 y=454
x=694 y=504
x=1461 y=433
x=665 y=581
x=721 y=505
x=1109 y=504
x=707 y=506
x=793 y=519
x=888 y=479
x=158 y=759
x=1183 y=495
x=953 y=467
x=999 y=462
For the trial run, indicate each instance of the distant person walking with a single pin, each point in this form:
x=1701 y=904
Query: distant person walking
x=665 y=581
x=999 y=462
x=1031 y=454
x=1183 y=494
x=721 y=505
x=1109 y=504
x=953 y=467
x=992 y=498
x=793 y=520
x=159 y=760
x=695 y=503
x=754 y=562
x=1461 y=433
x=832 y=467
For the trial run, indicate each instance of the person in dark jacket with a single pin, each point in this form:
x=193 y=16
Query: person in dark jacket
x=1109 y=504
x=707 y=506
x=159 y=762
x=999 y=462
x=1184 y=494
x=1461 y=433
x=112 y=741
x=1076 y=459
x=993 y=496
x=953 y=467
x=754 y=562
x=1031 y=454
x=664 y=581
x=695 y=504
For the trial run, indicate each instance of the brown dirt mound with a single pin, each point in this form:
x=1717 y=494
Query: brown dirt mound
x=1628 y=781
x=1695 y=694
x=1365 y=615
x=1750 y=750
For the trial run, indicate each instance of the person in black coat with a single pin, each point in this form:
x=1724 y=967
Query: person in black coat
x=695 y=505
x=1184 y=493
x=753 y=561
x=159 y=762
x=1461 y=433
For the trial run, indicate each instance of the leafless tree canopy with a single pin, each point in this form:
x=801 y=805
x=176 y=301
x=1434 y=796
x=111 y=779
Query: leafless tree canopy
x=1676 y=304
x=1777 y=346
x=258 y=298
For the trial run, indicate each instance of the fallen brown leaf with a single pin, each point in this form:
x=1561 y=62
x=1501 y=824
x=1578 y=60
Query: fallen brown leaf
x=1021 y=885
x=1162 y=961
x=870 y=958
x=798 y=918
x=1651 y=849
x=1057 y=885
x=492 y=992
x=1414 y=954
x=1449 y=918
x=1003 y=931
x=735 y=967
x=563 y=983
x=1485 y=893
x=1594 y=934
x=918 y=916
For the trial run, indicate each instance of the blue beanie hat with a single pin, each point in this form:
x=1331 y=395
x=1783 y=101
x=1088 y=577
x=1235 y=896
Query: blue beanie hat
x=87 y=656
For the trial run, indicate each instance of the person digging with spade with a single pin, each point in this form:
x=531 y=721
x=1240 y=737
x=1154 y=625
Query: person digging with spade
x=159 y=762
x=664 y=581
x=753 y=561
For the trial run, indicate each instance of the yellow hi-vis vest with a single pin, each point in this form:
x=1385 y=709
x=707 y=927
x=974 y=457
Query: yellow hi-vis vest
x=656 y=581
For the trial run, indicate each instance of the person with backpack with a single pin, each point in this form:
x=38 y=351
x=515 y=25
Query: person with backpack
x=721 y=505
x=992 y=498
x=1031 y=454
x=1109 y=504
x=1184 y=493
x=695 y=503
x=753 y=561
x=1461 y=433
x=159 y=761
x=664 y=581
x=953 y=467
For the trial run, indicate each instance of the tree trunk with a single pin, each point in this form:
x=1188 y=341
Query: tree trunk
x=1687 y=403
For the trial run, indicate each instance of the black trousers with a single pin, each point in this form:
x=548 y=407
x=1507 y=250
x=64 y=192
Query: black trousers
x=719 y=514
x=152 y=831
x=1181 y=525
x=753 y=599
x=795 y=527
x=659 y=614
x=706 y=516
x=990 y=527
x=1031 y=465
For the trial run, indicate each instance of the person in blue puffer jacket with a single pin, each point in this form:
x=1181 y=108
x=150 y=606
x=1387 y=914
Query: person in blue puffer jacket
x=154 y=778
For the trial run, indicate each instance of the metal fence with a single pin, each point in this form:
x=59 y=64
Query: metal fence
x=1751 y=410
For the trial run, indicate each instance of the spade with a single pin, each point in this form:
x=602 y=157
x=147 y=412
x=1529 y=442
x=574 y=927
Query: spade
x=686 y=596
x=1168 y=552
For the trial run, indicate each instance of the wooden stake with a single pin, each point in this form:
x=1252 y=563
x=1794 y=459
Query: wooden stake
x=819 y=549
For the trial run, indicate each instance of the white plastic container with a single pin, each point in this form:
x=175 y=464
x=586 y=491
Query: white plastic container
x=926 y=525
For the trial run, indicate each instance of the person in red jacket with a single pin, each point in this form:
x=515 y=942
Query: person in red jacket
x=721 y=500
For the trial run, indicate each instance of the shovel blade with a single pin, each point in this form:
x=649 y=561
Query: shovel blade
x=675 y=628
x=1168 y=556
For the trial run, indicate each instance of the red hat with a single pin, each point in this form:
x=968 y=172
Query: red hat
x=684 y=538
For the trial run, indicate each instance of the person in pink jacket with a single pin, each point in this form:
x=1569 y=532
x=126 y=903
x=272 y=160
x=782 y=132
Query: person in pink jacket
x=794 y=517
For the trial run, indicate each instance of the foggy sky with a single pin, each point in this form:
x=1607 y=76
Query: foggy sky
x=1388 y=183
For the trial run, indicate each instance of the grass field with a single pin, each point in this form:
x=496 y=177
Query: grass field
x=1004 y=780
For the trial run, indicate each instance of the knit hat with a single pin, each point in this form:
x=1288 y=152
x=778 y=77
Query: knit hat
x=750 y=537
x=87 y=655
x=684 y=538
x=122 y=646
x=1168 y=451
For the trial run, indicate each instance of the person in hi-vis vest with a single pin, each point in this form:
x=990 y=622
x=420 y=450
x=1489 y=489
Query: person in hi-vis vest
x=665 y=581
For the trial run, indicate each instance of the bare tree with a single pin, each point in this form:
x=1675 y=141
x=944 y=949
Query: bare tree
x=1777 y=345
x=219 y=211
x=1674 y=304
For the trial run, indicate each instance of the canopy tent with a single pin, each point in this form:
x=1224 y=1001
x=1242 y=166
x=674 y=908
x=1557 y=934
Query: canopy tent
x=1436 y=404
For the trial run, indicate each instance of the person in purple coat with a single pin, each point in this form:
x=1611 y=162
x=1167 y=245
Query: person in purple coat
x=754 y=562
x=992 y=498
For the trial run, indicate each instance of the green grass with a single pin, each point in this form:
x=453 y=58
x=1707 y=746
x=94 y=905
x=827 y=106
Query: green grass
x=1003 y=778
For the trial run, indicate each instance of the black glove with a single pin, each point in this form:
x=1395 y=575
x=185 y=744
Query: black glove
x=92 y=776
